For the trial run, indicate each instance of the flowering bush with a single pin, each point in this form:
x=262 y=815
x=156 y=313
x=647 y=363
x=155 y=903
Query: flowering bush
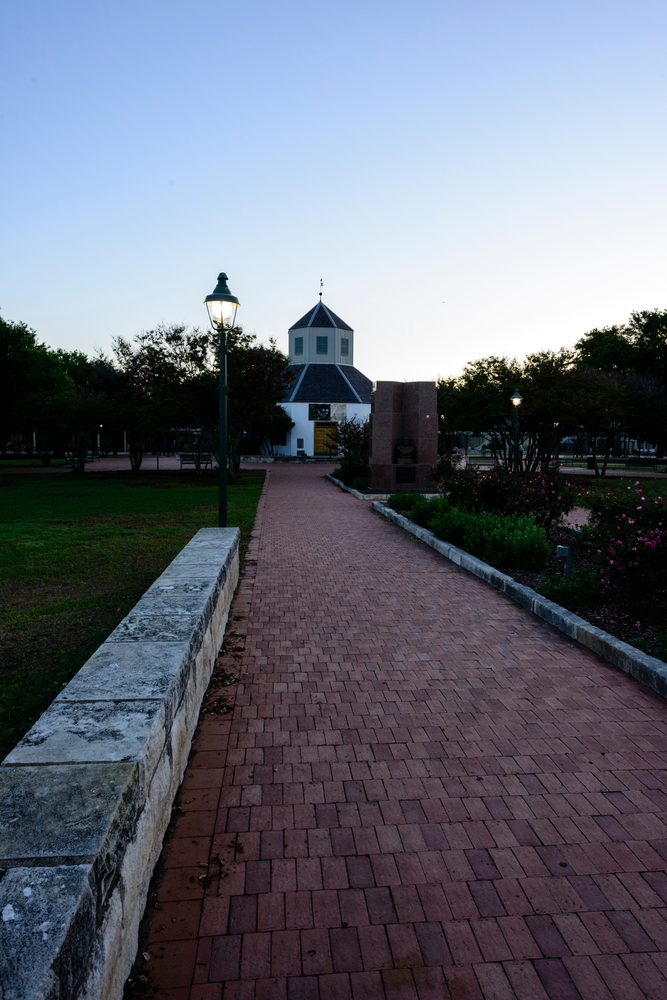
x=545 y=498
x=629 y=529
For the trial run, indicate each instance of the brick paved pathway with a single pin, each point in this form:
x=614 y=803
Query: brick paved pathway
x=423 y=792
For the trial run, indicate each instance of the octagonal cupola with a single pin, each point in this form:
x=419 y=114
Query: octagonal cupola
x=321 y=337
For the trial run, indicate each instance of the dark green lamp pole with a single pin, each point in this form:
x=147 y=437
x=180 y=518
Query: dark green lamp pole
x=516 y=403
x=222 y=306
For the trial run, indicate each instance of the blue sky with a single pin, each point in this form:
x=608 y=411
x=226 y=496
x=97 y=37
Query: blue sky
x=468 y=178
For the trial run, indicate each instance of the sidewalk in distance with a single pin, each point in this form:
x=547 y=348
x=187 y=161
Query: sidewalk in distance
x=423 y=792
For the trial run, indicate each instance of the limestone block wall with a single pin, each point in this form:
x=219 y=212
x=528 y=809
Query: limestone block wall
x=86 y=796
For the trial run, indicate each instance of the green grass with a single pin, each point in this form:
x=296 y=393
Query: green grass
x=27 y=463
x=76 y=553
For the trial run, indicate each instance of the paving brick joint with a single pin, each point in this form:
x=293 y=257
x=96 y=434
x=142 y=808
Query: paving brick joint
x=423 y=792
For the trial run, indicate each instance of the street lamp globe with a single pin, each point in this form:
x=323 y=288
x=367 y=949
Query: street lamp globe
x=221 y=304
x=517 y=398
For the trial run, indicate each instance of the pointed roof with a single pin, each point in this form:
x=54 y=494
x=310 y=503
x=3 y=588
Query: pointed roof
x=327 y=383
x=320 y=315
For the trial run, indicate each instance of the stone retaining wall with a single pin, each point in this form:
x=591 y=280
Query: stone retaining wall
x=86 y=796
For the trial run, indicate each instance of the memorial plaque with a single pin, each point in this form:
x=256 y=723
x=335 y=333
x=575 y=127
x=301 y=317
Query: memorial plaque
x=406 y=474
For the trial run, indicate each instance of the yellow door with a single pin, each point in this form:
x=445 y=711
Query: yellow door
x=324 y=443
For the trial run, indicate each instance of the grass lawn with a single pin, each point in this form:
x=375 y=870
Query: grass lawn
x=22 y=463
x=76 y=553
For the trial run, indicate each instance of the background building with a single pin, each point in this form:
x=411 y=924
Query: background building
x=326 y=387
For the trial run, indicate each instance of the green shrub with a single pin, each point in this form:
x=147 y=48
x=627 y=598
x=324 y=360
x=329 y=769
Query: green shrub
x=360 y=483
x=654 y=646
x=351 y=438
x=420 y=508
x=579 y=587
x=503 y=541
x=344 y=475
x=546 y=496
x=424 y=509
x=402 y=501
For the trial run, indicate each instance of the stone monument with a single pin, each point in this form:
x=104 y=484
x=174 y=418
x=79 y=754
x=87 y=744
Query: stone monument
x=404 y=436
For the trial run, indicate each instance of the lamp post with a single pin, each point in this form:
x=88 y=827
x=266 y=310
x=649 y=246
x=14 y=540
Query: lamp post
x=222 y=306
x=516 y=400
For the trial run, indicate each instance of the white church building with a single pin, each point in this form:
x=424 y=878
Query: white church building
x=326 y=387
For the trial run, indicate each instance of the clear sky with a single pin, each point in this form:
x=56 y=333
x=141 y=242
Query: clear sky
x=468 y=178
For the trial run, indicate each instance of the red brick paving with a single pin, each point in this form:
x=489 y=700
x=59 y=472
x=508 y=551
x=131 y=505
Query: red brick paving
x=423 y=793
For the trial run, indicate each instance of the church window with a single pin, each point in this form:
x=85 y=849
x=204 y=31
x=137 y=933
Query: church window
x=322 y=345
x=344 y=346
x=298 y=345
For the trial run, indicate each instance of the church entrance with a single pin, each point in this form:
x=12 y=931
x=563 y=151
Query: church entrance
x=324 y=443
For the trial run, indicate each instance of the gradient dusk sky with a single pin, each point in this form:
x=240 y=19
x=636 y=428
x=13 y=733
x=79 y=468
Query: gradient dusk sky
x=468 y=178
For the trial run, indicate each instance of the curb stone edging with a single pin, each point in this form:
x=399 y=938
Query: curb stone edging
x=647 y=669
x=86 y=796
x=356 y=493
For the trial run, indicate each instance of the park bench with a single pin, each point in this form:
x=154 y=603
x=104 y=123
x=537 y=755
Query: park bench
x=188 y=458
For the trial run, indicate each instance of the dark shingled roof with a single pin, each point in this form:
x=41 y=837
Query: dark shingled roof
x=321 y=315
x=361 y=385
x=328 y=384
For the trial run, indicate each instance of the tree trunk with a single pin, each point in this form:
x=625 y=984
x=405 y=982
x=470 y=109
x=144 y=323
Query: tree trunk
x=593 y=443
x=136 y=448
x=607 y=453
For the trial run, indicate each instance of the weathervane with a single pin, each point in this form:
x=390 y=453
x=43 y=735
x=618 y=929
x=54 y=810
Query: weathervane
x=321 y=286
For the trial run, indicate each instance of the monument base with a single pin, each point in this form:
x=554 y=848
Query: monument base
x=396 y=478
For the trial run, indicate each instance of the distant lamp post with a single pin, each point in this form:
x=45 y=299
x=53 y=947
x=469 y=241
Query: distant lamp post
x=222 y=306
x=516 y=400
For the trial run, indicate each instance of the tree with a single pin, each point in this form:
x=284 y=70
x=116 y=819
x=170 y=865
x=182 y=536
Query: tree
x=76 y=413
x=26 y=367
x=635 y=354
x=607 y=349
x=478 y=402
x=168 y=382
x=258 y=380
x=600 y=404
x=172 y=375
x=352 y=439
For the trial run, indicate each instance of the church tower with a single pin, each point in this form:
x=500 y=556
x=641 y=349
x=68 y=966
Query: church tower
x=326 y=387
x=321 y=337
